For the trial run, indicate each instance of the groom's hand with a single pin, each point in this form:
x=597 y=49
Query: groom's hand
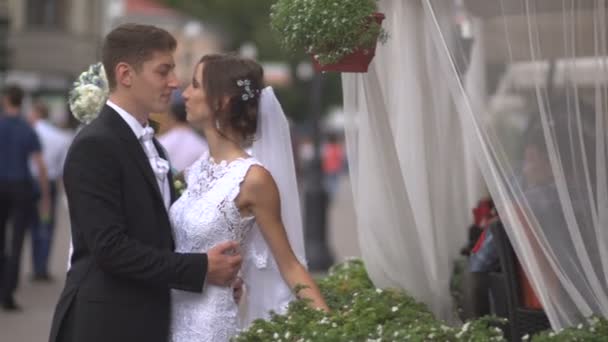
x=224 y=261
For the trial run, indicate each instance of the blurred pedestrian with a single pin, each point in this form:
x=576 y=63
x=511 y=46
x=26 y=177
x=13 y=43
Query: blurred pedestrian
x=18 y=143
x=305 y=154
x=183 y=144
x=333 y=163
x=55 y=143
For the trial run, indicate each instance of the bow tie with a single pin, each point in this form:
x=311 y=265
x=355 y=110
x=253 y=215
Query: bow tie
x=147 y=134
x=158 y=164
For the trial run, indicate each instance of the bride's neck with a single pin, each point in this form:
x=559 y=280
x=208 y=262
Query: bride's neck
x=223 y=147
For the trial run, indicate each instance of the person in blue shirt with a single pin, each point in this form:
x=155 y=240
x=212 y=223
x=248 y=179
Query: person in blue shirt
x=18 y=143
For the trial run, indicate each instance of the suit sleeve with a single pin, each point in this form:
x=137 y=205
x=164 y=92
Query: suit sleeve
x=93 y=187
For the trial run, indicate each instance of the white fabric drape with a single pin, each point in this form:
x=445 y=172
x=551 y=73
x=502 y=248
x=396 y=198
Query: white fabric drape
x=540 y=136
x=412 y=174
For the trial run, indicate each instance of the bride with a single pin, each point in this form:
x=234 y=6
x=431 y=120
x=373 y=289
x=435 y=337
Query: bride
x=244 y=189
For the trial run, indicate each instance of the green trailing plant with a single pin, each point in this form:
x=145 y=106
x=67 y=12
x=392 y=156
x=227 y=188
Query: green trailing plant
x=326 y=29
x=594 y=330
x=361 y=312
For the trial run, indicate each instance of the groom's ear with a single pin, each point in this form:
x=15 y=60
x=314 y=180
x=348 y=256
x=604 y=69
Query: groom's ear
x=124 y=74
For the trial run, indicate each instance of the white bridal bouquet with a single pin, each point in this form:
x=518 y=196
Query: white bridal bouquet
x=89 y=94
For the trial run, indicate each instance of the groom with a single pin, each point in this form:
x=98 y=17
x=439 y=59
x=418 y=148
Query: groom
x=118 y=185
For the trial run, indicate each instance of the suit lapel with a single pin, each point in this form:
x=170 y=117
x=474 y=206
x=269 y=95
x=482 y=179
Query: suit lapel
x=133 y=146
x=172 y=188
x=163 y=154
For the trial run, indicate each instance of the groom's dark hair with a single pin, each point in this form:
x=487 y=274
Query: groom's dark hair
x=133 y=44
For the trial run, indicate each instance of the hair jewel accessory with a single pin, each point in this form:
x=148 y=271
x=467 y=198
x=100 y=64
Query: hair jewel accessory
x=248 y=93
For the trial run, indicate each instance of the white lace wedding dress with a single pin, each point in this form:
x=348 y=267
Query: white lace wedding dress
x=204 y=216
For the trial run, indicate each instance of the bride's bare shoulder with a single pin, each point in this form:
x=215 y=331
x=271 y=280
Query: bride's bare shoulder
x=258 y=177
x=258 y=182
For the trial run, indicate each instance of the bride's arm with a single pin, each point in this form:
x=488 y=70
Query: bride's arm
x=259 y=195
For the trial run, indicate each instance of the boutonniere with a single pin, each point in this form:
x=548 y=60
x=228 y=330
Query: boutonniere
x=179 y=184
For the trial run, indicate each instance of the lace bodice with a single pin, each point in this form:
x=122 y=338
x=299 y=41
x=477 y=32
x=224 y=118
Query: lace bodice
x=204 y=216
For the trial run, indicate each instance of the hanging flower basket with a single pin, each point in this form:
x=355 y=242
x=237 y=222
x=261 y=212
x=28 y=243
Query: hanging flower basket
x=357 y=61
x=339 y=35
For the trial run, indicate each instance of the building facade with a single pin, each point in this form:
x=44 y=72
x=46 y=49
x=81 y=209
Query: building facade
x=50 y=42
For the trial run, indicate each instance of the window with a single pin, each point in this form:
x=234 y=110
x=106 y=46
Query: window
x=47 y=13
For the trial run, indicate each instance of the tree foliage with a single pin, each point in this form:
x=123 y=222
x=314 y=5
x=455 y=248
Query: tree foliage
x=242 y=22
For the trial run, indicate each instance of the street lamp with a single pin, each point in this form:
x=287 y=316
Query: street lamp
x=315 y=195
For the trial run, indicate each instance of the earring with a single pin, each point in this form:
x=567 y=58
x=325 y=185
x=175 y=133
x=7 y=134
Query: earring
x=217 y=124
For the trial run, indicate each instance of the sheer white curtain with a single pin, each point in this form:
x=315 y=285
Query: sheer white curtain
x=412 y=173
x=537 y=112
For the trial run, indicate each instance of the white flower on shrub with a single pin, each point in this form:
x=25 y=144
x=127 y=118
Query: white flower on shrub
x=87 y=103
x=89 y=94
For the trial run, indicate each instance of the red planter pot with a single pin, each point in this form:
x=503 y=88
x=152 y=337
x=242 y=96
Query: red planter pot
x=358 y=61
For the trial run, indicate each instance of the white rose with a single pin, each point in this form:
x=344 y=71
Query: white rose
x=88 y=103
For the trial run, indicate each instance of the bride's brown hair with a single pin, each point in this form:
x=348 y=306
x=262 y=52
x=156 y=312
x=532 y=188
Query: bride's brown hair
x=242 y=81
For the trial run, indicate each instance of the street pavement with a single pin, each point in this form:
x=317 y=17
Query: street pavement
x=38 y=300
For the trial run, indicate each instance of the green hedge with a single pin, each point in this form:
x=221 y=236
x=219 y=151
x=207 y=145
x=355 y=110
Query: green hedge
x=361 y=312
x=595 y=330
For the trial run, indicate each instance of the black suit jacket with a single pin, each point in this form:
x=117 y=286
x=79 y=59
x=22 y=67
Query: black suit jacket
x=123 y=265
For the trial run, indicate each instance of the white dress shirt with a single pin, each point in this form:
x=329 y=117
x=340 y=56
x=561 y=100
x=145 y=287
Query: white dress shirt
x=55 y=143
x=138 y=129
